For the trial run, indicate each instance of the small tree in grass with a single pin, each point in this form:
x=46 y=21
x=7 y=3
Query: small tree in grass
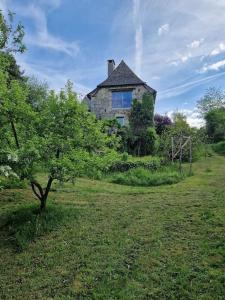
x=142 y=135
x=54 y=138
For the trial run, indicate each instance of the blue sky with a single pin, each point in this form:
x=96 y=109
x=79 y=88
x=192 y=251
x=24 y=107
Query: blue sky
x=177 y=47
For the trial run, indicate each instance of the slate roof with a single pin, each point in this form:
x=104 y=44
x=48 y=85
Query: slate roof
x=122 y=75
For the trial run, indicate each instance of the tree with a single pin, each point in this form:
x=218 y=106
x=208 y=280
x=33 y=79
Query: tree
x=38 y=92
x=141 y=133
x=161 y=123
x=177 y=131
x=215 y=124
x=11 y=36
x=11 y=41
x=213 y=99
x=55 y=138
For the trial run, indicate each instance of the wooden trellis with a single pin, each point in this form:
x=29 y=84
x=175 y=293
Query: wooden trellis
x=177 y=150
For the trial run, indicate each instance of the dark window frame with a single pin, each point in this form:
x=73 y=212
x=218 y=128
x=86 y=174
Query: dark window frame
x=123 y=96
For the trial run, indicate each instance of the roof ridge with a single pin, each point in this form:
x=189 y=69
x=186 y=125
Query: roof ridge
x=122 y=75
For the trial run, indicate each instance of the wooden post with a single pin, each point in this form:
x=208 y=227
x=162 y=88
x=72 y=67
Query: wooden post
x=172 y=149
x=180 y=157
x=190 y=152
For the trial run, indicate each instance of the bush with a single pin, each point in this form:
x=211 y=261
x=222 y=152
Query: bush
x=26 y=224
x=123 y=166
x=219 y=148
x=12 y=183
x=143 y=177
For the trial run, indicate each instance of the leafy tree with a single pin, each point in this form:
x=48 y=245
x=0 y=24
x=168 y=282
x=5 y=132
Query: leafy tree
x=37 y=92
x=161 y=123
x=11 y=36
x=11 y=41
x=55 y=138
x=141 y=120
x=215 y=124
x=179 y=129
x=213 y=99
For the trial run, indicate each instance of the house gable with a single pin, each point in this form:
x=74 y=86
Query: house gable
x=111 y=97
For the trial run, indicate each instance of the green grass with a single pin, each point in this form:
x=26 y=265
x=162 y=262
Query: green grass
x=143 y=177
x=121 y=242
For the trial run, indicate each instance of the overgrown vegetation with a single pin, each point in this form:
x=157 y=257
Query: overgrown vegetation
x=219 y=148
x=143 y=177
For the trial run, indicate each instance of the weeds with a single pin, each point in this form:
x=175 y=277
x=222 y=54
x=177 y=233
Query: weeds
x=143 y=177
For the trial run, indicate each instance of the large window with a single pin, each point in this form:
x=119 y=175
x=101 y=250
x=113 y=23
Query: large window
x=121 y=99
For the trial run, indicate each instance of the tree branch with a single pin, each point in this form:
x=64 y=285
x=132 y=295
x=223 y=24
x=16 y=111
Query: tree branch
x=35 y=192
x=34 y=185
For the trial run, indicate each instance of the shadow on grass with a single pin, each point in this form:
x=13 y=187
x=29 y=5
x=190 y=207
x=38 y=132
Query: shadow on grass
x=26 y=224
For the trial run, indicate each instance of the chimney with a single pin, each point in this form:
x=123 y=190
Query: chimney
x=111 y=66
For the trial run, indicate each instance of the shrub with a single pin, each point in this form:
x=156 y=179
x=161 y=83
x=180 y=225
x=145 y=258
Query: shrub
x=219 y=148
x=12 y=183
x=143 y=177
x=123 y=166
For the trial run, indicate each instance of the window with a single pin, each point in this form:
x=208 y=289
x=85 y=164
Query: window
x=120 y=120
x=121 y=99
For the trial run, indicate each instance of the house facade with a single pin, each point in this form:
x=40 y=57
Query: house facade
x=113 y=97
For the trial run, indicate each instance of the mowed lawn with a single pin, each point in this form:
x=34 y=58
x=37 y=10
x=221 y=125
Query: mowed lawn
x=121 y=242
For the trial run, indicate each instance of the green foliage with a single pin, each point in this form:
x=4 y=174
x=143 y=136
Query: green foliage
x=123 y=166
x=141 y=136
x=142 y=113
x=37 y=93
x=215 y=125
x=12 y=182
x=219 y=148
x=11 y=36
x=59 y=136
x=8 y=65
x=177 y=130
x=144 y=177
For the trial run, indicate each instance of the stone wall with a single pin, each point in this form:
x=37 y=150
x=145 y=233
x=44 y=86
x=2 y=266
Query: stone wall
x=101 y=103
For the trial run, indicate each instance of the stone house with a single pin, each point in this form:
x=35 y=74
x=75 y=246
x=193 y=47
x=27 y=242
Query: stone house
x=113 y=97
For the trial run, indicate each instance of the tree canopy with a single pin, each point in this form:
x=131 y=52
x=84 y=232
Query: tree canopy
x=142 y=136
x=214 y=98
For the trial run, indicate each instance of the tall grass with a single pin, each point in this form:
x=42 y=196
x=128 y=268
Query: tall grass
x=144 y=177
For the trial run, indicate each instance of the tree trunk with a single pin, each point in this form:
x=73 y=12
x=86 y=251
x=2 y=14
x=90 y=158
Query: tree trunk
x=42 y=194
x=15 y=134
x=43 y=204
x=45 y=196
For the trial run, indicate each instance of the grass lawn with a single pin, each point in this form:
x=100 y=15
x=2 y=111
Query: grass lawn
x=123 y=242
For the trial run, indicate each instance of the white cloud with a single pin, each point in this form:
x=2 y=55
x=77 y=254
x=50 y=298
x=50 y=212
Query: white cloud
x=52 y=75
x=184 y=58
x=138 y=36
x=42 y=37
x=213 y=67
x=163 y=29
x=193 y=117
x=218 y=50
x=195 y=44
x=182 y=88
